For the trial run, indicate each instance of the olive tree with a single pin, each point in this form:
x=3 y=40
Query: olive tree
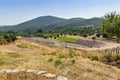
x=111 y=25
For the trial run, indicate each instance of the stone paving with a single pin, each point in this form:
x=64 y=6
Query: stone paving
x=37 y=72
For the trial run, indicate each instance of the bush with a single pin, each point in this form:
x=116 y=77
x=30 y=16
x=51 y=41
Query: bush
x=73 y=60
x=85 y=35
x=13 y=37
x=50 y=59
x=97 y=35
x=93 y=58
x=57 y=62
x=105 y=35
x=7 y=38
x=2 y=40
x=93 y=38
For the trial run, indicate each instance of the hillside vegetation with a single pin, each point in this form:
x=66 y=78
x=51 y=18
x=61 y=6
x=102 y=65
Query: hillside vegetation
x=49 y=23
x=5 y=39
x=74 y=64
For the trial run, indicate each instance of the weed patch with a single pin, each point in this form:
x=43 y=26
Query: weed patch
x=93 y=58
x=14 y=55
x=73 y=60
x=50 y=59
x=2 y=62
x=57 y=62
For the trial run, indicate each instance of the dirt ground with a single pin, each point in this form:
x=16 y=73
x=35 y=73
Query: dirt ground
x=13 y=47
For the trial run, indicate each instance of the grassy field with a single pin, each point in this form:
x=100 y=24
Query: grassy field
x=74 y=64
x=68 y=39
x=45 y=35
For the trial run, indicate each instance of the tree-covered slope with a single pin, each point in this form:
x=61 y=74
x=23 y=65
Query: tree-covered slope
x=53 y=23
x=76 y=24
x=37 y=23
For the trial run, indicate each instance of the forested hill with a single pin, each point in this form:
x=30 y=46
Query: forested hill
x=53 y=23
x=76 y=23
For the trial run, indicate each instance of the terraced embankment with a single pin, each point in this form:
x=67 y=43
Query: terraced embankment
x=85 y=44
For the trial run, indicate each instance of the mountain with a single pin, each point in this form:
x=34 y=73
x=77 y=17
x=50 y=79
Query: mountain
x=76 y=23
x=37 y=23
x=69 y=21
x=53 y=23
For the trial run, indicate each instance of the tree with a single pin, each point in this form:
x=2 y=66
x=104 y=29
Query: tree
x=98 y=35
x=40 y=31
x=111 y=25
x=8 y=38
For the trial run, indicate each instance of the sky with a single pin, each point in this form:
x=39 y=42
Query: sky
x=13 y=12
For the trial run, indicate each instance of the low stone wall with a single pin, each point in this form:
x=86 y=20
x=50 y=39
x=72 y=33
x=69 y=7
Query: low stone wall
x=37 y=72
x=90 y=43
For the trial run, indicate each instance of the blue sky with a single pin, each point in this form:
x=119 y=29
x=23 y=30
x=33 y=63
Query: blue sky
x=17 y=11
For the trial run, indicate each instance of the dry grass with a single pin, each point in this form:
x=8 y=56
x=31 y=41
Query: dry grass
x=27 y=45
x=71 y=63
x=23 y=76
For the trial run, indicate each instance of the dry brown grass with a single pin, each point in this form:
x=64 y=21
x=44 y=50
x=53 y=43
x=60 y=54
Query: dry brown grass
x=82 y=69
x=23 y=76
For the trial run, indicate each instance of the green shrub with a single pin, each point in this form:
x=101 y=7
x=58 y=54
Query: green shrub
x=93 y=38
x=84 y=35
x=73 y=60
x=2 y=40
x=50 y=59
x=2 y=62
x=57 y=62
x=7 y=38
x=92 y=58
x=13 y=37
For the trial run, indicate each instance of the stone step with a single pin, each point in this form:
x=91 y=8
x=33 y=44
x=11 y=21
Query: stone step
x=62 y=78
x=49 y=75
